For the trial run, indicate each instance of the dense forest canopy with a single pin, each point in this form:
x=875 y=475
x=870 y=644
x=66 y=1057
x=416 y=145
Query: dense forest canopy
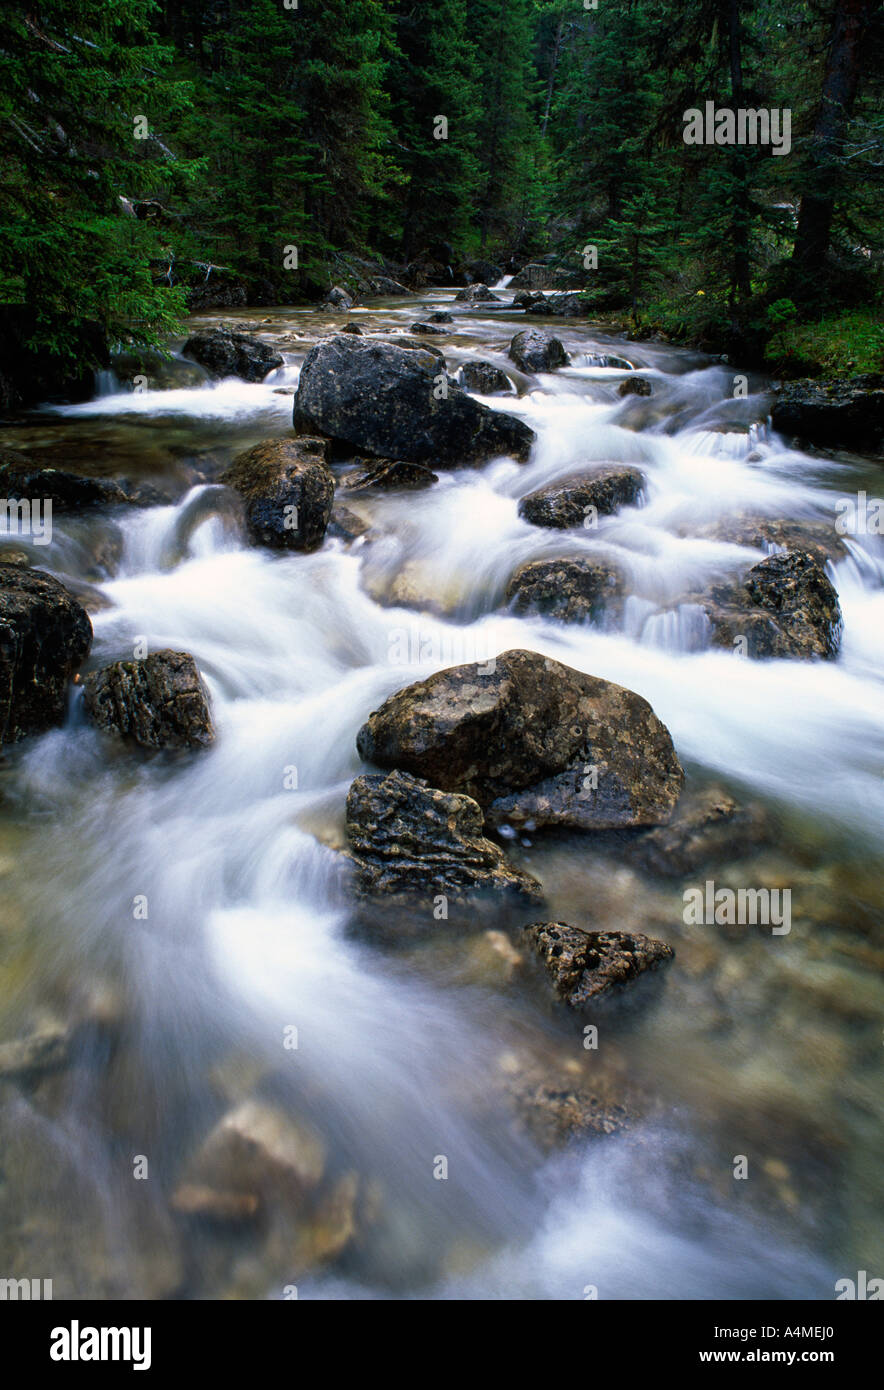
x=149 y=145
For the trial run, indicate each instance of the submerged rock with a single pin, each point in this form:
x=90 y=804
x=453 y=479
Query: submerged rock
x=567 y=502
x=256 y=1154
x=485 y=379
x=707 y=826
x=388 y=401
x=45 y=636
x=345 y=525
x=428 y=328
x=288 y=491
x=842 y=413
x=410 y=841
x=635 y=386
x=23 y=479
x=536 y=351
x=585 y=965
x=786 y=607
x=532 y=741
x=573 y=589
x=225 y=353
x=159 y=701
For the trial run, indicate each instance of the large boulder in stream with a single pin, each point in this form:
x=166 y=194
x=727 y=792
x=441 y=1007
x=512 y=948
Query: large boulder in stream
x=393 y=402
x=786 y=607
x=568 y=502
x=410 y=843
x=585 y=965
x=225 y=353
x=477 y=294
x=159 y=701
x=536 y=351
x=532 y=741
x=288 y=491
x=847 y=414
x=45 y=636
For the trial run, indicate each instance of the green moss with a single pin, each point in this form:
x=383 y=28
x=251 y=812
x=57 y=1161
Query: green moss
x=845 y=345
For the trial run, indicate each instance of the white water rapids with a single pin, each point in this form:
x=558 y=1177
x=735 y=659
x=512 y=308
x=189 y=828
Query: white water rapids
x=247 y=927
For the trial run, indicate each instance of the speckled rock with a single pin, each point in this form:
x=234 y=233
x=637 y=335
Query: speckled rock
x=485 y=379
x=384 y=400
x=536 y=351
x=159 y=701
x=225 y=353
x=585 y=965
x=411 y=841
x=573 y=589
x=565 y=503
x=288 y=491
x=531 y=740
x=45 y=636
x=786 y=607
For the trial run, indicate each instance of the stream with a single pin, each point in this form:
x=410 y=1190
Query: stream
x=757 y=1045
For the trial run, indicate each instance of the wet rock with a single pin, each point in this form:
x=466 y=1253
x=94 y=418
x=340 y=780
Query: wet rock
x=256 y=1154
x=485 y=379
x=419 y=345
x=565 y=306
x=556 y=1103
x=392 y=475
x=337 y=300
x=225 y=353
x=381 y=399
x=536 y=351
x=45 y=636
x=484 y=272
x=43 y=1050
x=567 y=502
x=159 y=373
x=818 y=538
x=159 y=701
x=787 y=607
x=477 y=294
x=586 y=965
x=428 y=328
x=846 y=413
x=707 y=826
x=440 y=316
x=531 y=303
x=345 y=525
x=572 y=589
x=21 y=479
x=352 y=328
x=288 y=491
x=522 y=735
x=410 y=841
x=635 y=386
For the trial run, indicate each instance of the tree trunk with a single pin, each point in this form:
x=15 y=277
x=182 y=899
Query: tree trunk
x=844 y=61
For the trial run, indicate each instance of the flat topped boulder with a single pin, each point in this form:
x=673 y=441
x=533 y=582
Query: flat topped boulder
x=288 y=491
x=411 y=841
x=225 y=353
x=45 y=636
x=530 y=739
x=393 y=402
x=568 y=502
x=158 y=702
x=536 y=351
x=585 y=965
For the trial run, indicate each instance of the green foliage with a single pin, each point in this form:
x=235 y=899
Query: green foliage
x=71 y=87
x=850 y=344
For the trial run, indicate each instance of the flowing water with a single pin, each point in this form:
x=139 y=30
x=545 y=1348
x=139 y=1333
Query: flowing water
x=756 y=1045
